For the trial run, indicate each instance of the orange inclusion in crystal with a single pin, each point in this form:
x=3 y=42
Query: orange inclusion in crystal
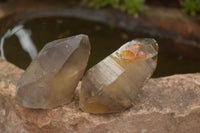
x=155 y=61
x=128 y=56
x=132 y=53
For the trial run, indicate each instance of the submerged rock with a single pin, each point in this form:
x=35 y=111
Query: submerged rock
x=52 y=77
x=112 y=84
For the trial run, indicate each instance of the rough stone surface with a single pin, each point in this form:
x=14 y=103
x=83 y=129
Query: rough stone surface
x=166 y=105
x=113 y=84
x=51 y=78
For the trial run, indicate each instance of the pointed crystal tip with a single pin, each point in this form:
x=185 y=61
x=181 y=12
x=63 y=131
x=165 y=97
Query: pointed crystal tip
x=113 y=84
x=52 y=77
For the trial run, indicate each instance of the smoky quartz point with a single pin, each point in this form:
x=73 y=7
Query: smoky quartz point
x=51 y=78
x=113 y=84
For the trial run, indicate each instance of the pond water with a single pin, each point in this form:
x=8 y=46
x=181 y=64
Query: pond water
x=21 y=44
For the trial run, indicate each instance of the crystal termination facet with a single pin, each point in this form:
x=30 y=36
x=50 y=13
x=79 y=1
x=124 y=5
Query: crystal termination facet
x=112 y=84
x=50 y=80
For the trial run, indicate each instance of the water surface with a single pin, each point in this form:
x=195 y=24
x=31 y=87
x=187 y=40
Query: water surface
x=22 y=42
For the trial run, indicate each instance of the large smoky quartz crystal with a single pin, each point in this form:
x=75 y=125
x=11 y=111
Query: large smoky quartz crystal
x=113 y=84
x=52 y=77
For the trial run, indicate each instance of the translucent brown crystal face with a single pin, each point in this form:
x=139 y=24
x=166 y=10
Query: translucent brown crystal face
x=113 y=84
x=52 y=77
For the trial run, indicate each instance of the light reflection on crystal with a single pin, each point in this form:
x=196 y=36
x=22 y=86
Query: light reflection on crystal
x=113 y=84
x=52 y=77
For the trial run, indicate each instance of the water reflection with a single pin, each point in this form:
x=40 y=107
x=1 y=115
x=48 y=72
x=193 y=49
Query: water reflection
x=24 y=37
x=18 y=47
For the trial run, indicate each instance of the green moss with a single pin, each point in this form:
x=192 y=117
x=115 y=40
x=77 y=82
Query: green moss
x=102 y=3
x=134 y=6
x=131 y=6
x=191 y=6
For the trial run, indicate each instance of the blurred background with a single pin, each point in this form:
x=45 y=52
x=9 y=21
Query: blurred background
x=27 y=25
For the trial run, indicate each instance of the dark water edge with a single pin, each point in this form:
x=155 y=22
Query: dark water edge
x=104 y=38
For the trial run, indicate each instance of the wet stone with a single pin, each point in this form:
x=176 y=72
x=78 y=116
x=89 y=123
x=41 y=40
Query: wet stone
x=113 y=84
x=51 y=78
